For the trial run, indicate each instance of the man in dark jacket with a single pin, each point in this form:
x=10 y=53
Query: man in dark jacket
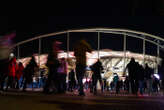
x=132 y=70
x=97 y=69
x=29 y=72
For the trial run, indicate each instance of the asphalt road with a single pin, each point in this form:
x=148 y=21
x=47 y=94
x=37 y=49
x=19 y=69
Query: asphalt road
x=70 y=101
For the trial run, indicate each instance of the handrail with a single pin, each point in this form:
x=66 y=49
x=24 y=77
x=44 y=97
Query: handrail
x=103 y=30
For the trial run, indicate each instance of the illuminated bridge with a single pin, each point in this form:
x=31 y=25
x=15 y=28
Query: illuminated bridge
x=113 y=59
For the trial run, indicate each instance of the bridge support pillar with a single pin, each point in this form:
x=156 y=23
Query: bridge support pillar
x=124 y=45
x=98 y=48
x=144 y=51
x=67 y=45
x=18 y=54
x=158 y=55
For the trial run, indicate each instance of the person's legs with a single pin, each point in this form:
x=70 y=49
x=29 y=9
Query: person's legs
x=148 y=86
x=71 y=85
x=117 y=87
x=47 y=85
x=81 y=91
x=2 y=81
x=59 y=83
x=80 y=73
x=95 y=86
x=141 y=86
x=2 y=84
x=101 y=84
x=132 y=86
x=136 y=86
x=92 y=85
x=47 y=82
x=74 y=84
x=17 y=83
x=9 y=82
x=63 y=82
x=25 y=85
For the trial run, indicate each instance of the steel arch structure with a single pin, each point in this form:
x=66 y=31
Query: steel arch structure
x=132 y=33
x=158 y=41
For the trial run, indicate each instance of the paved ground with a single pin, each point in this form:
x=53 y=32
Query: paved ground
x=70 y=101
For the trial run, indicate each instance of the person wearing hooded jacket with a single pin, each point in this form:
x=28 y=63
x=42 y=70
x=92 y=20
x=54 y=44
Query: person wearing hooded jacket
x=12 y=69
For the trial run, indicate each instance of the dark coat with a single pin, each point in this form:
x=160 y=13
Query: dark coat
x=97 y=69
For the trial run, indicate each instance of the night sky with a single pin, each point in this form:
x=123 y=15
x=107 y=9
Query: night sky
x=32 y=26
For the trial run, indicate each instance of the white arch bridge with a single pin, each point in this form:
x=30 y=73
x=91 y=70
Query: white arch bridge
x=156 y=40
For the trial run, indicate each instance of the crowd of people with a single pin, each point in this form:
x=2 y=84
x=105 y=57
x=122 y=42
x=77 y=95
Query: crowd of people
x=12 y=72
x=139 y=79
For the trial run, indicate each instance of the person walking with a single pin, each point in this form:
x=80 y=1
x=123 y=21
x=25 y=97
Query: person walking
x=97 y=69
x=13 y=67
x=149 y=80
x=132 y=70
x=29 y=71
x=140 y=74
x=72 y=80
x=53 y=65
x=19 y=74
x=80 y=50
x=62 y=71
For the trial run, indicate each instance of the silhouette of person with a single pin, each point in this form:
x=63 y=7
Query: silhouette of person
x=72 y=81
x=97 y=69
x=80 y=50
x=53 y=64
x=132 y=70
x=127 y=84
x=29 y=72
x=62 y=70
x=13 y=67
x=3 y=72
x=5 y=50
x=140 y=78
x=19 y=73
x=149 y=80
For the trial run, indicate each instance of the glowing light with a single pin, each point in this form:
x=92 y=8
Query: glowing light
x=88 y=80
x=92 y=58
x=11 y=55
x=84 y=80
x=157 y=76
